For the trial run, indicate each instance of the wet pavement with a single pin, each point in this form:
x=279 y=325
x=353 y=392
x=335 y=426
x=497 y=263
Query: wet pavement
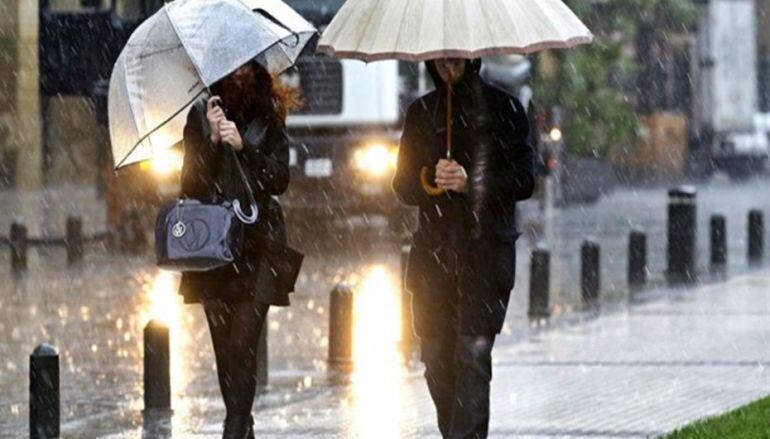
x=637 y=373
x=94 y=314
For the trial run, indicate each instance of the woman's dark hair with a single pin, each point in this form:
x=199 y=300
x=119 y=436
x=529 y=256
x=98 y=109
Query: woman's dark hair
x=255 y=93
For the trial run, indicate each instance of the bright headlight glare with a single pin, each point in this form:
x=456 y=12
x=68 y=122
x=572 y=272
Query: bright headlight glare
x=167 y=161
x=555 y=134
x=376 y=159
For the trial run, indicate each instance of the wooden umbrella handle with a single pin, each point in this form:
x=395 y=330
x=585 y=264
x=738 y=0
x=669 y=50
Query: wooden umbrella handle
x=427 y=186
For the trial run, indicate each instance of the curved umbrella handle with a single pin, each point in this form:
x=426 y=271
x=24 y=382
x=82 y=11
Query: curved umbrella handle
x=246 y=219
x=426 y=184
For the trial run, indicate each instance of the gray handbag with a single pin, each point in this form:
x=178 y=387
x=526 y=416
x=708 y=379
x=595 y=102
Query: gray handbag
x=198 y=235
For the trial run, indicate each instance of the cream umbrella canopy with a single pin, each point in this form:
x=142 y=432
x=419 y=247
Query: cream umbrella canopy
x=179 y=52
x=420 y=30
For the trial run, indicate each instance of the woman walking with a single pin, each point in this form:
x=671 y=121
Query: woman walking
x=461 y=268
x=246 y=112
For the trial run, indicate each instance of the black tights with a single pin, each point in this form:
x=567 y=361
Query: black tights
x=235 y=328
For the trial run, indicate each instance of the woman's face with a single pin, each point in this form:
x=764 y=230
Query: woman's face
x=450 y=69
x=233 y=86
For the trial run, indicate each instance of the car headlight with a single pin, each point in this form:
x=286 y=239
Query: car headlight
x=165 y=162
x=555 y=134
x=376 y=159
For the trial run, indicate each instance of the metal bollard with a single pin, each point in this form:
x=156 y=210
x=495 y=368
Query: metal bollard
x=74 y=240
x=682 y=232
x=262 y=356
x=637 y=261
x=590 y=273
x=157 y=377
x=718 y=233
x=540 y=284
x=341 y=327
x=756 y=236
x=408 y=337
x=44 y=401
x=19 y=245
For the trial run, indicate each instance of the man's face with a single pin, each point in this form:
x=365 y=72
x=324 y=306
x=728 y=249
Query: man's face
x=450 y=69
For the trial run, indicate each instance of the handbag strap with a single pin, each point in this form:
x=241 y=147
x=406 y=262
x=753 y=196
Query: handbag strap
x=248 y=219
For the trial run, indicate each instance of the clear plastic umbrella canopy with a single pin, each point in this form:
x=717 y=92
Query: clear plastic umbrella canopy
x=180 y=51
x=410 y=30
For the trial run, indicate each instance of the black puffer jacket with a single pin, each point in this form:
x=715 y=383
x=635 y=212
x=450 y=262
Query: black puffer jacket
x=265 y=158
x=465 y=240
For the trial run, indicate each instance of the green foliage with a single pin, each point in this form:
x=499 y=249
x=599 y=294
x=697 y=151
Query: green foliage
x=593 y=83
x=597 y=117
x=750 y=421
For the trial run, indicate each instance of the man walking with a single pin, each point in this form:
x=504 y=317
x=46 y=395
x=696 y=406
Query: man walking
x=461 y=267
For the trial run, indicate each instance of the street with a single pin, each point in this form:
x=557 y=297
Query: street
x=94 y=314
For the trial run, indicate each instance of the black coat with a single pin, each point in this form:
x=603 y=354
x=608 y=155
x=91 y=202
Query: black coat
x=265 y=159
x=464 y=247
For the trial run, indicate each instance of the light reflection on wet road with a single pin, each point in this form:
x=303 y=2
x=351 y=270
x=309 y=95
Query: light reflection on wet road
x=377 y=384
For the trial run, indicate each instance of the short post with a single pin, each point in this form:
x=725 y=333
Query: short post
x=18 y=244
x=590 y=273
x=637 y=261
x=718 y=229
x=157 y=377
x=44 y=401
x=341 y=327
x=540 y=284
x=408 y=337
x=262 y=356
x=756 y=236
x=682 y=232
x=74 y=240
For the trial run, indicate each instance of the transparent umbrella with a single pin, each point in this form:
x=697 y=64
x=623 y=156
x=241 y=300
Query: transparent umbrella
x=179 y=52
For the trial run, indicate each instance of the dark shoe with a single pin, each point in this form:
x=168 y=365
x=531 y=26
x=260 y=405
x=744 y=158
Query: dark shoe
x=250 y=434
x=238 y=427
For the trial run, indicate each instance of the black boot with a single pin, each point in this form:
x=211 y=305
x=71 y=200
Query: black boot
x=250 y=434
x=237 y=427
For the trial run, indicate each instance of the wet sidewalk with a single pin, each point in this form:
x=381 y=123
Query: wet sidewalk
x=631 y=372
x=684 y=355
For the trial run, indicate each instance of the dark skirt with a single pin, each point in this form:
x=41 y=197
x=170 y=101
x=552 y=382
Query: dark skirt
x=249 y=279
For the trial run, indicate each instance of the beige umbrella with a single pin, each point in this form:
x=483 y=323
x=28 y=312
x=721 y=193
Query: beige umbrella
x=419 y=30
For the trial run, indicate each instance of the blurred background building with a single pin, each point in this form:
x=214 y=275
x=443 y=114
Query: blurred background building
x=643 y=113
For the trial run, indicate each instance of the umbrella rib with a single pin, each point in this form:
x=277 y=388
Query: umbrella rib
x=400 y=28
x=130 y=106
x=489 y=29
x=539 y=11
x=131 y=101
x=160 y=125
x=159 y=52
x=487 y=22
x=369 y=22
x=179 y=36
